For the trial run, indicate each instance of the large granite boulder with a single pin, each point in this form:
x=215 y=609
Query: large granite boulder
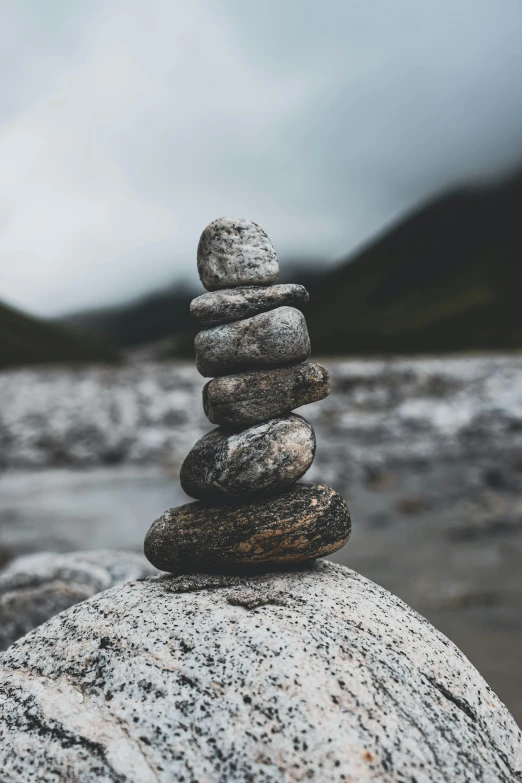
x=34 y=588
x=316 y=674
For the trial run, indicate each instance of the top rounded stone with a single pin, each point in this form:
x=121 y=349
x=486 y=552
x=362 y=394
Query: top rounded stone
x=234 y=252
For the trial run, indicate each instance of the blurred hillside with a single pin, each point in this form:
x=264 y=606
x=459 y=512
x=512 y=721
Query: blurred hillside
x=28 y=340
x=153 y=317
x=445 y=278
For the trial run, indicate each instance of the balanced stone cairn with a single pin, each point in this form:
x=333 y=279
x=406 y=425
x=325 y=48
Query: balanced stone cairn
x=254 y=345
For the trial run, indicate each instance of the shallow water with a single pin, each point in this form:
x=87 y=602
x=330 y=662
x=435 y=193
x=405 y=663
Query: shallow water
x=101 y=508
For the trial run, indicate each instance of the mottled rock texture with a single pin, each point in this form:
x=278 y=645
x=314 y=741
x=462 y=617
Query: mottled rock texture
x=305 y=522
x=221 y=307
x=262 y=458
x=312 y=675
x=269 y=339
x=251 y=397
x=36 y=587
x=234 y=252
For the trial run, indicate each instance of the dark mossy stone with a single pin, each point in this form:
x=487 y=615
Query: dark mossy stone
x=251 y=397
x=232 y=304
x=303 y=523
x=273 y=339
x=262 y=458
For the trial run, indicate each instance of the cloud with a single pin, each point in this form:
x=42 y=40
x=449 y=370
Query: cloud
x=127 y=127
x=69 y=216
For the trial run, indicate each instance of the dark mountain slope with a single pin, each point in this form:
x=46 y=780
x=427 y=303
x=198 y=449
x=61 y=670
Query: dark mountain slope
x=447 y=278
x=159 y=315
x=28 y=340
x=153 y=317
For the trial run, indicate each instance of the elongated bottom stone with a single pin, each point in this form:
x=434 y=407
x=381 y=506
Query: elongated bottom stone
x=306 y=522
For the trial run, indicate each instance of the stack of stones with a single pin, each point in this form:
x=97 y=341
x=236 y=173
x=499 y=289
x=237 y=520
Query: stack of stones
x=254 y=345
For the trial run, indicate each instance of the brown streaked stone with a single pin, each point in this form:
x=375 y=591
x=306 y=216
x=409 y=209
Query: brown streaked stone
x=305 y=522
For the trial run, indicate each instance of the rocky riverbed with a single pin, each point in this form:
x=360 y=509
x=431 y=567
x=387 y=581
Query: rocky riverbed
x=427 y=452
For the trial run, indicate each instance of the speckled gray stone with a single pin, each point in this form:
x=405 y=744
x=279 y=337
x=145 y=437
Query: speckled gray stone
x=232 y=304
x=302 y=523
x=262 y=458
x=233 y=252
x=251 y=397
x=33 y=588
x=270 y=339
x=315 y=675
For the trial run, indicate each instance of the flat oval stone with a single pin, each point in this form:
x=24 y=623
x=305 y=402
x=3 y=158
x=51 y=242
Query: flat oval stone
x=263 y=458
x=231 y=304
x=270 y=339
x=235 y=251
x=252 y=397
x=303 y=523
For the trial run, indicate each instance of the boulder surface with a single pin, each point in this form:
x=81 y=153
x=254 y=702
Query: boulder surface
x=316 y=674
x=34 y=588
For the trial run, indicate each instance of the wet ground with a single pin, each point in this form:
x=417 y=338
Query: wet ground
x=428 y=454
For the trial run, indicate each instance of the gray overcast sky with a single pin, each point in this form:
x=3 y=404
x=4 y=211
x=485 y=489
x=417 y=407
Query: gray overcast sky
x=127 y=126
